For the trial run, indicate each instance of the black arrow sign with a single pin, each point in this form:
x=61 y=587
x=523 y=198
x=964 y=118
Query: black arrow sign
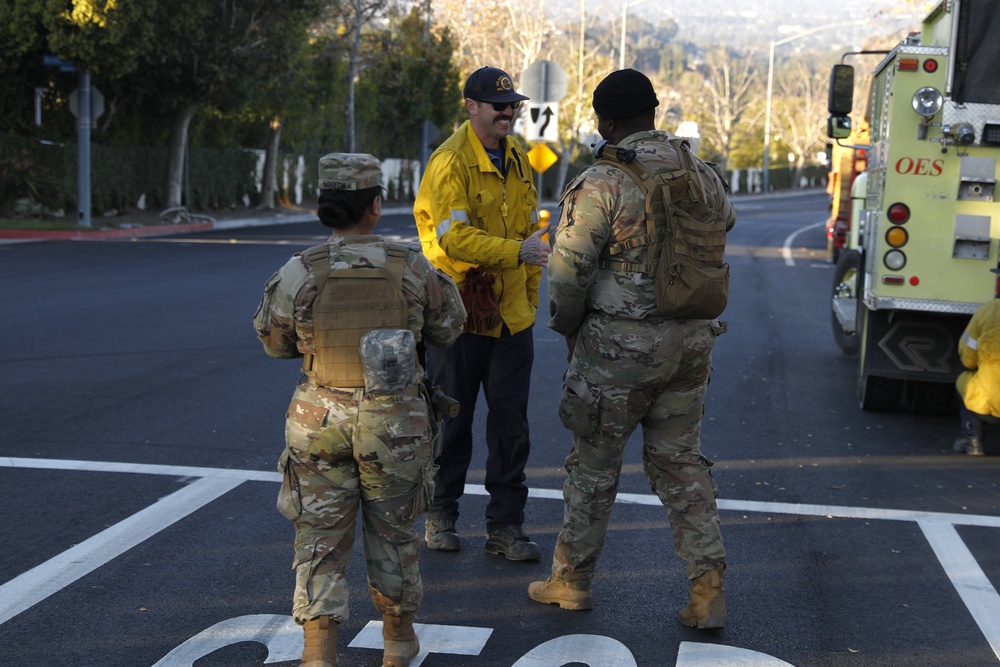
x=548 y=117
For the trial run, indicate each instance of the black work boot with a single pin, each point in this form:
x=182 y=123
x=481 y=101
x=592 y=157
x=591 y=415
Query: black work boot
x=511 y=543
x=440 y=535
x=973 y=446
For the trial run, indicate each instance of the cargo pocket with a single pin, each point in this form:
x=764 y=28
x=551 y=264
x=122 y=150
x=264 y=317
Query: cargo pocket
x=487 y=208
x=578 y=406
x=303 y=422
x=262 y=318
x=393 y=445
x=410 y=432
x=308 y=432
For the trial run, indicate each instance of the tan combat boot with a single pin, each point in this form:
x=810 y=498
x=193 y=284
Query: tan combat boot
x=556 y=591
x=707 y=608
x=401 y=644
x=321 y=643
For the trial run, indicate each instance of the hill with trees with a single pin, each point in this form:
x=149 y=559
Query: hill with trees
x=194 y=92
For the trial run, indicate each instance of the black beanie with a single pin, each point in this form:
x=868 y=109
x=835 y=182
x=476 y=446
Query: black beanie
x=624 y=94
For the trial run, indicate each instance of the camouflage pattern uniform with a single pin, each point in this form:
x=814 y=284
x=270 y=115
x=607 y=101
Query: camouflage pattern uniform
x=346 y=448
x=630 y=367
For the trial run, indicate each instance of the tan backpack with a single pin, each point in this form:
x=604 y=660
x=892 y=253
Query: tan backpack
x=686 y=236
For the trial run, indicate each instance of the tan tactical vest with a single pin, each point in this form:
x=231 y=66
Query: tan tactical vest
x=349 y=303
x=684 y=234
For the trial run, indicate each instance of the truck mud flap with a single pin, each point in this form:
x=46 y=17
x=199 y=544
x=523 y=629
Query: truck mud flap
x=911 y=345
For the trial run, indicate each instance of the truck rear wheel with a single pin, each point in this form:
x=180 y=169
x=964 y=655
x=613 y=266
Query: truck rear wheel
x=844 y=301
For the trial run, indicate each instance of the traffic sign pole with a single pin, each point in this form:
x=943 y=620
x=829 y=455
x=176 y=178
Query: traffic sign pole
x=544 y=82
x=83 y=150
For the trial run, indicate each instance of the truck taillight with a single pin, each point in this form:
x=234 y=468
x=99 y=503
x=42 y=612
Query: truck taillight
x=930 y=65
x=894 y=260
x=898 y=213
x=896 y=237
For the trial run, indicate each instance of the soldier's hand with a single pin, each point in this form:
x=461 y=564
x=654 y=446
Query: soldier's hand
x=534 y=250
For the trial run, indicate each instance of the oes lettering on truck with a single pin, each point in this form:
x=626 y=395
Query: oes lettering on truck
x=919 y=166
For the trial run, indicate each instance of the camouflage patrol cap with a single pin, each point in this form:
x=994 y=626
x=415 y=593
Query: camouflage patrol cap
x=349 y=171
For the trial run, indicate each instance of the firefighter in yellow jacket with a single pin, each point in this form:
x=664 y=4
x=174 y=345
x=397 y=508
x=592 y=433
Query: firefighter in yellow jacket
x=359 y=428
x=476 y=216
x=979 y=386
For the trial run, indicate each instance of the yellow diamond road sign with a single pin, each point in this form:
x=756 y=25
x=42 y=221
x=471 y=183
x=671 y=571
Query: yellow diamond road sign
x=541 y=158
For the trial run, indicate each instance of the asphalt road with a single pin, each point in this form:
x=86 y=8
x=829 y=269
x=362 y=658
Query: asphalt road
x=140 y=423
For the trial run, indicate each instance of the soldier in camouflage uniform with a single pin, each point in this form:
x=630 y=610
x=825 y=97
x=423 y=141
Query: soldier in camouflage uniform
x=354 y=442
x=630 y=366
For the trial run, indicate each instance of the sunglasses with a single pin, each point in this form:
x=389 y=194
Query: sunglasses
x=502 y=106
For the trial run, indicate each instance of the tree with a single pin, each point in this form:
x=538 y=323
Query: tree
x=473 y=27
x=526 y=31
x=213 y=52
x=347 y=20
x=21 y=48
x=509 y=34
x=107 y=38
x=101 y=38
x=411 y=79
x=270 y=104
x=800 y=113
x=586 y=61
x=729 y=82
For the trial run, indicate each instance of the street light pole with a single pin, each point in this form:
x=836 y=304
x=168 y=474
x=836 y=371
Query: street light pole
x=770 y=88
x=625 y=8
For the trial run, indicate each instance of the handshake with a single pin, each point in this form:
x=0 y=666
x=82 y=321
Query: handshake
x=534 y=250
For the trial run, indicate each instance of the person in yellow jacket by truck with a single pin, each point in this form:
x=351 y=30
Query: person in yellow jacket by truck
x=476 y=213
x=979 y=386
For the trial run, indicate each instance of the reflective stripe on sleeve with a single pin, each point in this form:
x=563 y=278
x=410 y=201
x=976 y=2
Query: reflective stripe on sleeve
x=457 y=215
x=970 y=342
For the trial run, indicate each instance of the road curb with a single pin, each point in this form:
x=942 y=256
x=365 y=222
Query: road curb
x=25 y=235
x=22 y=235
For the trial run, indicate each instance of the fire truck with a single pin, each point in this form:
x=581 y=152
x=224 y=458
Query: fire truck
x=848 y=159
x=917 y=261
